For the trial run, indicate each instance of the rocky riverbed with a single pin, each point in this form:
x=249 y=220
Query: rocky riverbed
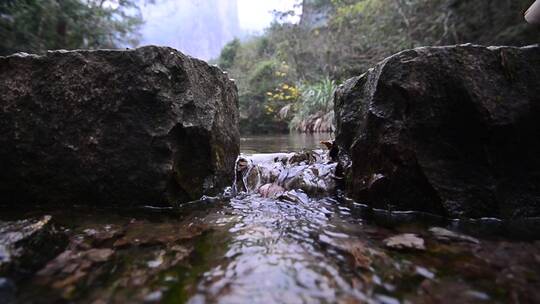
x=298 y=243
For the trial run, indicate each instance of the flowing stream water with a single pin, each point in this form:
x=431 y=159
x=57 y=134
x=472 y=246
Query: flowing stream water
x=283 y=234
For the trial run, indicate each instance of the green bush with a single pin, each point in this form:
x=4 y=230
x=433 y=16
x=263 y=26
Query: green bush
x=314 y=98
x=358 y=34
x=228 y=54
x=38 y=25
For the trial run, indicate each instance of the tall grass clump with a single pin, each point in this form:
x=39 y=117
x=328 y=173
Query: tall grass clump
x=316 y=101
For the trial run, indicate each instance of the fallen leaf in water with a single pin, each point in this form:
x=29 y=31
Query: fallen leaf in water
x=405 y=241
x=270 y=190
x=180 y=253
x=102 y=234
x=70 y=267
x=328 y=144
x=99 y=255
x=70 y=280
x=144 y=233
x=356 y=249
x=446 y=235
x=60 y=263
x=361 y=260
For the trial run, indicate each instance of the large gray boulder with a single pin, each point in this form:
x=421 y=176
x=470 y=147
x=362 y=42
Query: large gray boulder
x=451 y=130
x=142 y=126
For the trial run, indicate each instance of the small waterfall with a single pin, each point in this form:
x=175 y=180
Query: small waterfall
x=245 y=166
x=245 y=176
x=269 y=174
x=235 y=185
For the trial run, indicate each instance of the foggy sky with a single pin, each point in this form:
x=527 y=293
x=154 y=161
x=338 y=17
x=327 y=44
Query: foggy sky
x=201 y=28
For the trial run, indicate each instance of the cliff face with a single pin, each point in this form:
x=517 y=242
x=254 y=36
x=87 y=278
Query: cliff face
x=315 y=13
x=198 y=28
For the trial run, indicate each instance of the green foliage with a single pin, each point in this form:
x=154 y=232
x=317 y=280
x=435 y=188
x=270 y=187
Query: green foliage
x=315 y=98
x=357 y=35
x=262 y=77
x=375 y=29
x=228 y=54
x=257 y=72
x=38 y=25
x=257 y=109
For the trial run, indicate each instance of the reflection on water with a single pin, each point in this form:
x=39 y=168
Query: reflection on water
x=272 y=143
x=274 y=255
x=292 y=247
x=283 y=237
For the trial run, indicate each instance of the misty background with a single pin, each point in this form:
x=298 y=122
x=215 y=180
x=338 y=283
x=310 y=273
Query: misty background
x=201 y=28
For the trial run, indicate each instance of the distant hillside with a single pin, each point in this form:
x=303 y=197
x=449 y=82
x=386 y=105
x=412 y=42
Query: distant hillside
x=198 y=28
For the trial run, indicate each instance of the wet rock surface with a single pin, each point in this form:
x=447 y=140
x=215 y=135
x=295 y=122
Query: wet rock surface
x=142 y=126
x=273 y=174
x=293 y=246
x=21 y=240
x=108 y=256
x=448 y=130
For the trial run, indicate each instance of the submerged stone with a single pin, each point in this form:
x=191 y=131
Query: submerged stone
x=115 y=261
x=448 y=236
x=26 y=245
x=405 y=241
x=142 y=126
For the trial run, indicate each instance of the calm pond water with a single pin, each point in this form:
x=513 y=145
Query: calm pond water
x=273 y=143
x=281 y=234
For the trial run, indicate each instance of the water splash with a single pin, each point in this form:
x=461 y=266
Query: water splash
x=274 y=253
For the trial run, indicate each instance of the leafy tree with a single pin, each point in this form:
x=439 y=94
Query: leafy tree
x=228 y=54
x=356 y=35
x=39 y=25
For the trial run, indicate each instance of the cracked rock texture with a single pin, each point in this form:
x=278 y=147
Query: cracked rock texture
x=451 y=130
x=142 y=126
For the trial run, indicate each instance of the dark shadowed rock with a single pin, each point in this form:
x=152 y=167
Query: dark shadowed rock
x=7 y=291
x=452 y=130
x=142 y=126
x=26 y=245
